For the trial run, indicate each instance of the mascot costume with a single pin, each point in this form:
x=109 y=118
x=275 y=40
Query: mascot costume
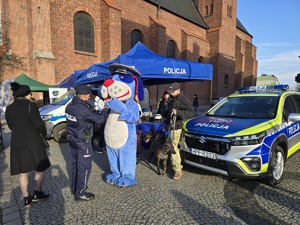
x=119 y=94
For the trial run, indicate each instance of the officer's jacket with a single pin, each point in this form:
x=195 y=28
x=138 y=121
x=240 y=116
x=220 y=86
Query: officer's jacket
x=183 y=107
x=80 y=121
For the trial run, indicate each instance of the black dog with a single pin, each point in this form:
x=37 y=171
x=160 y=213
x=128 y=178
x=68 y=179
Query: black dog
x=161 y=147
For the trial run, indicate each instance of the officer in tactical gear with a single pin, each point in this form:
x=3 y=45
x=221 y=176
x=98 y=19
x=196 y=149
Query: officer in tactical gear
x=180 y=109
x=80 y=124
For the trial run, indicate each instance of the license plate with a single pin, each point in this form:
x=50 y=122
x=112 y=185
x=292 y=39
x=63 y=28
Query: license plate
x=202 y=153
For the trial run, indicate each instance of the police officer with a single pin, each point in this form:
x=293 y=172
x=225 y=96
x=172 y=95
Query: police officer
x=80 y=123
x=180 y=109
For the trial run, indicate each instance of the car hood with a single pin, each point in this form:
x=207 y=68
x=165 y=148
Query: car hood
x=220 y=126
x=48 y=109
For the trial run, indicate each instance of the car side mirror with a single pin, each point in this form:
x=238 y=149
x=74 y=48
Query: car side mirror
x=294 y=117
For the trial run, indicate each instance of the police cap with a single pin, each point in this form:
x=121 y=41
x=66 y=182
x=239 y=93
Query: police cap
x=82 y=89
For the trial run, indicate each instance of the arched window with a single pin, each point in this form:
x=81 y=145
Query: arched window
x=171 y=49
x=229 y=11
x=206 y=10
x=200 y=59
x=83 y=33
x=211 y=8
x=136 y=36
x=226 y=80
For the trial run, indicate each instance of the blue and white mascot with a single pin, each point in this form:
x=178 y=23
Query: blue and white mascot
x=120 y=94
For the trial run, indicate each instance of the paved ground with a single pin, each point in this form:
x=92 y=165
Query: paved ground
x=199 y=198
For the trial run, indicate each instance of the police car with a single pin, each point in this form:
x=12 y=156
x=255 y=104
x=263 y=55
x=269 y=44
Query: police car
x=54 y=117
x=249 y=134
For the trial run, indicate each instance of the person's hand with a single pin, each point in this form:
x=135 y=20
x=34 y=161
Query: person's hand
x=174 y=112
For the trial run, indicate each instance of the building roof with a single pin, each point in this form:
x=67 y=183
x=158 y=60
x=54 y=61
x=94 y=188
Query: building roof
x=182 y=8
x=240 y=26
x=265 y=79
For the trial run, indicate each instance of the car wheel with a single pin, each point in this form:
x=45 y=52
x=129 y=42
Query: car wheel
x=60 y=133
x=276 y=166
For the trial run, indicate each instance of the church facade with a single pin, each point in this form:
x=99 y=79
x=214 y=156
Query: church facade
x=50 y=39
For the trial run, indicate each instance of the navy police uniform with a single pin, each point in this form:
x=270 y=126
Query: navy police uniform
x=80 y=124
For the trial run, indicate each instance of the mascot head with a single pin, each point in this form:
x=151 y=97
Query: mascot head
x=125 y=84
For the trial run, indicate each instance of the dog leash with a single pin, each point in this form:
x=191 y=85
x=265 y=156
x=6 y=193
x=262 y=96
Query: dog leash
x=174 y=125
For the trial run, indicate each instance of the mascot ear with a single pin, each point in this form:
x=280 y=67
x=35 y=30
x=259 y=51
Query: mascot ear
x=139 y=87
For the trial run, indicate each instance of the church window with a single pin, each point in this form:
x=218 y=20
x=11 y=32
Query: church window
x=211 y=8
x=84 y=32
x=226 y=80
x=229 y=11
x=136 y=36
x=200 y=59
x=171 y=49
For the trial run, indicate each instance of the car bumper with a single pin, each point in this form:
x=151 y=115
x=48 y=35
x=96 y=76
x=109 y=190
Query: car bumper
x=222 y=167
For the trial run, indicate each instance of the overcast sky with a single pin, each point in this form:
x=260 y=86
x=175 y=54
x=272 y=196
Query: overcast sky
x=275 y=27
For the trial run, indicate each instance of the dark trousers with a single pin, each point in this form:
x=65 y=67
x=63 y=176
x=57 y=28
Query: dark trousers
x=101 y=136
x=81 y=168
x=195 y=110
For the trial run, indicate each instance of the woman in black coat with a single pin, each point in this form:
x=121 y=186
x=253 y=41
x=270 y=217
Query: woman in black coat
x=27 y=152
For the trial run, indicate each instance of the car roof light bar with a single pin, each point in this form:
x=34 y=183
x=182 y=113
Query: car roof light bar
x=274 y=88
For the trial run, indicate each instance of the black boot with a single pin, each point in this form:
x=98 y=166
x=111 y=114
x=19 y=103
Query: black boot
x=39 y=195
x=27 y=201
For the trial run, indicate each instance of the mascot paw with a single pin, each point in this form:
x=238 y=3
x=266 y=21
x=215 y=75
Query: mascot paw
x=117 y=105
x=99 y=104
x=111 y=179
x=126 y=182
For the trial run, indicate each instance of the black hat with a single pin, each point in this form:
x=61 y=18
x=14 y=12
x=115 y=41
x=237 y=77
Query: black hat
x=19 y=90
x=83 y=89
x=117 y=68
x=173 y=87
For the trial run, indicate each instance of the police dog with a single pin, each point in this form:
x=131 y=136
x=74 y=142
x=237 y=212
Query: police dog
x=161 y=147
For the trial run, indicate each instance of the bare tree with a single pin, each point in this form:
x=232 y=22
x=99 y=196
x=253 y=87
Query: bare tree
x=8 y=60
x=297 y=87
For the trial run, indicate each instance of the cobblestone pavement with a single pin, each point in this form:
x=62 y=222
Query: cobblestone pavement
x=200 y=197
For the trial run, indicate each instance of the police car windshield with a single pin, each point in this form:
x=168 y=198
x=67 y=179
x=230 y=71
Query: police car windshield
x=62 y=100
x=249 y=107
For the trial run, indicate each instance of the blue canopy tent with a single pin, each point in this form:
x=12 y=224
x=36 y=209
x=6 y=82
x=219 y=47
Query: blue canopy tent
x=68 y=82
x=95 y=73
x=153 y=67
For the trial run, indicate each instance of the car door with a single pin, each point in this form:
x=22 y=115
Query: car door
x=292 y=105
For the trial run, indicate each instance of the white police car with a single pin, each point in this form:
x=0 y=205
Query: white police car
x=54 y=117
x=249 y=134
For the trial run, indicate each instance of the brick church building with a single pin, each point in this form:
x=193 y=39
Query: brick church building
x=50 y=39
